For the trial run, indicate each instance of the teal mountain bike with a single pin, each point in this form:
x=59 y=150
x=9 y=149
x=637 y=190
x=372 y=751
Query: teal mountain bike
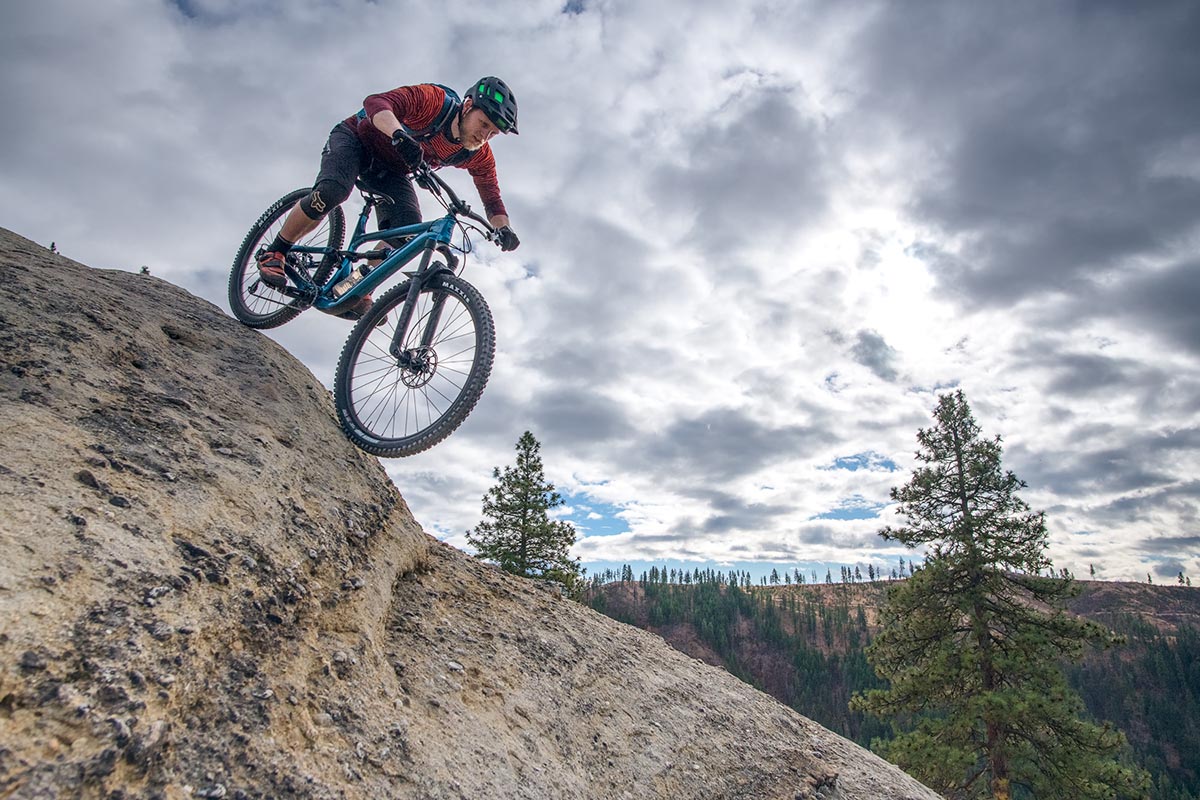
x=415 y=365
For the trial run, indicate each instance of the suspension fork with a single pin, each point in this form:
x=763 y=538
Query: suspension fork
x=419 y=281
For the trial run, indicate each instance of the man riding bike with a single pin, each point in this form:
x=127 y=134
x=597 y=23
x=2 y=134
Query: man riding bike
x=393 y=133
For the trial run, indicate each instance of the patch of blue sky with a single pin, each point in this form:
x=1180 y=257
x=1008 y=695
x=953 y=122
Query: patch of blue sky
x=854 y=507
x=870 y=460
x=593 y=517
x=935 y=388
x=222 y=12
x=187 y=8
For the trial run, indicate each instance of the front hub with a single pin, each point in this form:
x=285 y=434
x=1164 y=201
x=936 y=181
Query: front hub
x=417 y=366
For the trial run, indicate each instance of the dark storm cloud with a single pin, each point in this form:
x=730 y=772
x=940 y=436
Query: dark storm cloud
x=578 y=417
x=1050 y=129
x=733 y=513
x=1171 y=545
x=1169 y=568
x=762 y=171
x=875 y=354
x=723 y=444
x=1163 y=301
x=1167 y=301
x=1138 y=463
x=818 y=534
x=1078 y=374
x=1072 y=375
x=1180 y=501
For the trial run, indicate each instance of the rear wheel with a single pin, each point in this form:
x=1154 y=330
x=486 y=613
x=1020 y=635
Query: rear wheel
x=398 y=405
x=255 y=303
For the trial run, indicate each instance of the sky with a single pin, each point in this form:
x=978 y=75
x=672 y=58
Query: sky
x=758 y=241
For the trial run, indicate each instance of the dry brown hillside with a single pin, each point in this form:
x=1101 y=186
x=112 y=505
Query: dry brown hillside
x=206 y=592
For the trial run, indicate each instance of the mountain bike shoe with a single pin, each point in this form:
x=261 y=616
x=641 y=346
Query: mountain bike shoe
x=270 y=269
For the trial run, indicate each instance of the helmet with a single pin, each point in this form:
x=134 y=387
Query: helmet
x=497 y=101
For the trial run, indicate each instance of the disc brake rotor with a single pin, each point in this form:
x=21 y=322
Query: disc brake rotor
x=418 y=366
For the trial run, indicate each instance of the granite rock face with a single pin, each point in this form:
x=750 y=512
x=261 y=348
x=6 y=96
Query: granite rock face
x=206 y=591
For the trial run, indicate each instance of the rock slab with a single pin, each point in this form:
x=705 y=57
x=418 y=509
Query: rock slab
x=206 y=591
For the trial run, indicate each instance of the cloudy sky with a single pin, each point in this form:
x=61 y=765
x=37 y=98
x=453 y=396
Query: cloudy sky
x=758 y=240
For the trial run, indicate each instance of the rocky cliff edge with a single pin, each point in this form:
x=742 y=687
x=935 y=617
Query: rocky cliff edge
x=206 y=591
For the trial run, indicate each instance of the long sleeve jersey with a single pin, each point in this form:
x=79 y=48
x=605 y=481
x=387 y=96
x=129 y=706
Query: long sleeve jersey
x=417 y=107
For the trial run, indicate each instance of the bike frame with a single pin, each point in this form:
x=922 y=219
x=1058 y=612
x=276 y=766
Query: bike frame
x=426 y=237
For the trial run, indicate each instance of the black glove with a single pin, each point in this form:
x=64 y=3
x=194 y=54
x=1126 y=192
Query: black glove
x=409 y=150
x=506 y=238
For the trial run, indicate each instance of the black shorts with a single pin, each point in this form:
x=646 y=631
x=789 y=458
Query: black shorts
x=343 y=160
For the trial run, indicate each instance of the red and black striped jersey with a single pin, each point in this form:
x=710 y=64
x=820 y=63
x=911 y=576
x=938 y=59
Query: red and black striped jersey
x=418 y=107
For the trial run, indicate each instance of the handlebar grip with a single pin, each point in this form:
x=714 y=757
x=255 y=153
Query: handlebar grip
x=408 y=148
x=402 y=135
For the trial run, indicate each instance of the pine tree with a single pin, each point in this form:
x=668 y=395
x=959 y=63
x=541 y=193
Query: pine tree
x=969 y=646
x=517 y=533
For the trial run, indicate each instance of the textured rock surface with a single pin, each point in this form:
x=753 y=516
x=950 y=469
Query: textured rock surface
x=205 y=591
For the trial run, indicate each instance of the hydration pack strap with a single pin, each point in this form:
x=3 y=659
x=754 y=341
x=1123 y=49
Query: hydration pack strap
x=450 y=106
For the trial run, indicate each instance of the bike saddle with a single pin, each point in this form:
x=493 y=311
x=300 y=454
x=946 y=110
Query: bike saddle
x=371 y=194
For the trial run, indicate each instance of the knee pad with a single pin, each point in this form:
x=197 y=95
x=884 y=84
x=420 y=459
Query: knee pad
x=323 y=198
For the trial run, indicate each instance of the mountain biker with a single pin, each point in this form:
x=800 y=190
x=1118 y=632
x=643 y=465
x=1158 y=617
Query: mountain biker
x=369 y=146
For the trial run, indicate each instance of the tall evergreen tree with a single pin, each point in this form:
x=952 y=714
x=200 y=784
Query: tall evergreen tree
x=972 y=642
x=517 y=532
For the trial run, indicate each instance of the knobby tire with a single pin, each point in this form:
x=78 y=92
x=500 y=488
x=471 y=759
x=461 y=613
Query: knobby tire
x=392 y=411
x=260 y=306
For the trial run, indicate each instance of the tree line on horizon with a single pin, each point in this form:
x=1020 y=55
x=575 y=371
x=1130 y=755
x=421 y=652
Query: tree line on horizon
x=745 y=579
x=792 y=577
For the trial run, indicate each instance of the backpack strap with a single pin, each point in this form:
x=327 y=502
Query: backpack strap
x=454 y=160
x=450 y=105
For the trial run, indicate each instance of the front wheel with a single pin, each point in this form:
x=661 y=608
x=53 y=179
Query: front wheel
x=255 y=303
x=395 y=405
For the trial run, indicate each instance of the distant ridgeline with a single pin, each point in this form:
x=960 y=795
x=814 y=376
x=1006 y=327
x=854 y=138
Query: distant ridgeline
x=804 y=644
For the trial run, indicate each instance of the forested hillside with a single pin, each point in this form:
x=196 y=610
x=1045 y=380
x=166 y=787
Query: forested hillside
x=804 y=644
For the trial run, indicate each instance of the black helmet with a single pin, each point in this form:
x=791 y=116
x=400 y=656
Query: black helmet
x=497 y=101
